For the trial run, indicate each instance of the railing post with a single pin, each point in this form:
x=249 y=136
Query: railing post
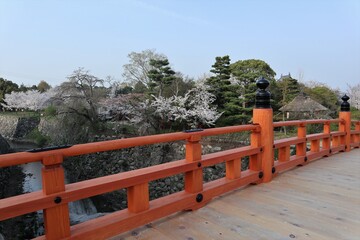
x=138 y=198
x=263 y=115
x=345 y=115
x=357 y=136
x=233 y=169
x=255 y=160
x=315 y=145
x=284 y=154
x=326 y=141
x=301 y=147
x=193 y=179
x=56 y=219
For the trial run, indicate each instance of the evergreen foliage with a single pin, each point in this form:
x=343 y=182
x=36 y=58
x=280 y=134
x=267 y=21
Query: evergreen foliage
x=289 y=89
x=246 y=72
x=160 y=76
x=226 y=92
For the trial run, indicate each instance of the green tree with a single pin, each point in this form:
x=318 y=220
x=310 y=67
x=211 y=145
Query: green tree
x=289 y=88
x=325 y=96
x=246 y=72
x=140 y=87
x=6 y=87
x=179 y=86
x=160 y=76
x=226 y=93
x=43 y=86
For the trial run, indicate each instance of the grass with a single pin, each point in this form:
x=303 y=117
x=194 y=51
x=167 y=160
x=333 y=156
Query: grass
x=21 y=114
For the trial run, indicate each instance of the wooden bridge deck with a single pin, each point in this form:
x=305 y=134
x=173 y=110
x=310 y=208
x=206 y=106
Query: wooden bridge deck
x=318 y=201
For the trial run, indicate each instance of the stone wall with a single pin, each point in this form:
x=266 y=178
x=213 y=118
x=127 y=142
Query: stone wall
x=14 y=127
x=8 y=126
x=4 y=145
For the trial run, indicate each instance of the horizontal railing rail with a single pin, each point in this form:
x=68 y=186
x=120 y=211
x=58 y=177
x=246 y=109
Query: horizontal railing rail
x=81 y=149
x=136 y=181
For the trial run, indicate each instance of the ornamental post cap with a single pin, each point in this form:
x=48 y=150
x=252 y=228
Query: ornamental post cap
x=262 y=98
x=345 y=98
x=345 y=106
x=262 y=83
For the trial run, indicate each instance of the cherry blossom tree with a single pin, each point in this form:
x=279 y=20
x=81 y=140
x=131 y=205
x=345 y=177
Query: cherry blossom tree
x=30 y=100
x=354 y=94
x=194 y=108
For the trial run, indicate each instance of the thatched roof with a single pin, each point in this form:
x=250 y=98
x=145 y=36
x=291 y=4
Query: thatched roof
x=302 y=103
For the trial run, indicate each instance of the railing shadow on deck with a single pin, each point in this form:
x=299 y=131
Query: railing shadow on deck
x=55 y=195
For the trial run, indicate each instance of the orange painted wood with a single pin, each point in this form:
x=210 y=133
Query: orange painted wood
x=316 y=155
x=30 y=202
x=356 y=133
x=337 y=133
x=284 y=154
x=80 y=149
x=287 y=123
x=227 y=155
x=226 y=130
x=56 y=219
x=346 y=116
x=317 y=136
x=292 y=163
x=337 y=149
x=326 y=140
x=137 y=183
x=138 y=198
x=335 y=141
x=264 y=117
x=223 y=185
x=255 y=159
x=19 y=205
x=315 y=145
x=121 y=221
x=301 y=147
x=193 y=179
x=233 y=169
x=288 y=141
x=299 y=122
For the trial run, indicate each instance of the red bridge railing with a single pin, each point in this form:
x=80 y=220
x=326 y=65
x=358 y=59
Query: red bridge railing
x=56 y=195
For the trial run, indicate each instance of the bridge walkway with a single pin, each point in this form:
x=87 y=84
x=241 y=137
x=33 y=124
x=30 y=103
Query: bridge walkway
x=320 y=200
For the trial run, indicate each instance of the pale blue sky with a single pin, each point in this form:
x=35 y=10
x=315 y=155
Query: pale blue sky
x=47 y=40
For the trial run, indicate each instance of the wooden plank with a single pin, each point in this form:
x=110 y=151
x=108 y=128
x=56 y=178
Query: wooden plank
x=288 y=141
x=317 y=136
x=292 y=163
x=193 y=179
x=138 y=198
x=264 y=117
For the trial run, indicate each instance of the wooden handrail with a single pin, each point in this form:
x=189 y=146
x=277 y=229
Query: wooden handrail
x=305 y=122
x=13 y=159
x=54 y=199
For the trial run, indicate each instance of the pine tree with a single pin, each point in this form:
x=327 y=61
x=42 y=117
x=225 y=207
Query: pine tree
x=246 y=72
x=160 y=76
x=227 y=97
x=289 y=88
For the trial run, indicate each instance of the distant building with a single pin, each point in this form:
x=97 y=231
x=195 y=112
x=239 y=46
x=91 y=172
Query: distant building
x=303 y=107
x=284 y=77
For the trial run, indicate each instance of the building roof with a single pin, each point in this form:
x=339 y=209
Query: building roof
x=284 y=76
x=302 y=103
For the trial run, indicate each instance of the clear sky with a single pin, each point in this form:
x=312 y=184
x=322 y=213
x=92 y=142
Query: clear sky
x=47 y=40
